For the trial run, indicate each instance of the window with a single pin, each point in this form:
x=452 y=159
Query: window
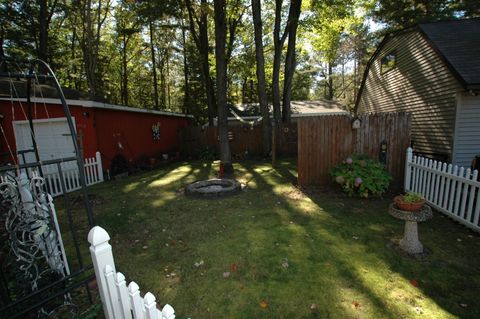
x=389 y=62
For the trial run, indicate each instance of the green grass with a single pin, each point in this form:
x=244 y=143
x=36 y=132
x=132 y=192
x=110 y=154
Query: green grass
x=339 y=261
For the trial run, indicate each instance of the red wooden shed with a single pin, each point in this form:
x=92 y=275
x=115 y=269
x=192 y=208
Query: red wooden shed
x=106 y=128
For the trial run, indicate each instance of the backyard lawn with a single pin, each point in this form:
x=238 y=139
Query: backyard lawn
x=274 y=251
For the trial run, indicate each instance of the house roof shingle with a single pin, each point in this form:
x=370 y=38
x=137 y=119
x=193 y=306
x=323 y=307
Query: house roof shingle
x=458 y=43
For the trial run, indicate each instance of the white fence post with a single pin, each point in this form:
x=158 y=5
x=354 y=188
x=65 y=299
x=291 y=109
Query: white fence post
x=101 y=253
x=99 y=166
x=408 y=173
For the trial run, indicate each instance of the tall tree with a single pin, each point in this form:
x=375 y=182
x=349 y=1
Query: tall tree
x=93 y=17
x=278 y=42
x=290 y=63
x=221 y=75
x=403 y=13
x=199 y=31
x=260 y=70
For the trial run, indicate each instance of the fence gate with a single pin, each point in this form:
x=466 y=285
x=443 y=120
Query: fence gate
x=325 y=141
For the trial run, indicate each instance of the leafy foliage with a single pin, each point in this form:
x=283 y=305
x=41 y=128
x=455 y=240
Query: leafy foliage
x=412 y=197
x=361 y=175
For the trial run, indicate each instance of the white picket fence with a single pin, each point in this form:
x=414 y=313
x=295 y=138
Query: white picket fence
x=450 y=189
x=71 y=176
x=119 y=300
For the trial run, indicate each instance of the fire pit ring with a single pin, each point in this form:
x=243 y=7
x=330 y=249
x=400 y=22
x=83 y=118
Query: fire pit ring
x=213 y=188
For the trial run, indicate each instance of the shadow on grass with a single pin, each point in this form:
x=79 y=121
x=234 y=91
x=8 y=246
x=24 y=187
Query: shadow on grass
x=338 y=265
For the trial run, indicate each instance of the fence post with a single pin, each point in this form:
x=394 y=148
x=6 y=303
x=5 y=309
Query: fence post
x=99 y=166
x=101 y=253
x=408 y=173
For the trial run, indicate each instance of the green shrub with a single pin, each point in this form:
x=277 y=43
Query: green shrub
x=360 y=175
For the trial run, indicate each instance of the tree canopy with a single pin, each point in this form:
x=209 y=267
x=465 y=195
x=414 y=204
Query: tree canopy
x=161 y=53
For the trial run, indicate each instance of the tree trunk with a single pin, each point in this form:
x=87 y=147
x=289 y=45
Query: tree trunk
x=221 y=72
x=330 y=81
x=186 y=96
x=154 y=66
x=3 y=66
x=201 y=41
x=43 y=31
x=124 y=72
x=277 y=55
x=163 y=88
x=261 y=83
x=204 y=48
x=290 y=62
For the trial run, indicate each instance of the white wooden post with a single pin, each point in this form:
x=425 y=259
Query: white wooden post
x=123 y=294
x=408 y=173
x=150 y=305
x=168 y=312
x=101 y=253
x=136 y=302
x=99 y=166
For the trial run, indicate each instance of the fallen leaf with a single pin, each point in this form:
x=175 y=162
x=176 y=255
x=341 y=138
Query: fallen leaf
x=234 y=267
x=414 y=282
x=263 y=304
x=356 y=304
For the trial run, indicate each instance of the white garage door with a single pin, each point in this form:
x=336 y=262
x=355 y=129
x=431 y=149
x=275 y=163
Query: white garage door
x=467 y=130
x=53 y=138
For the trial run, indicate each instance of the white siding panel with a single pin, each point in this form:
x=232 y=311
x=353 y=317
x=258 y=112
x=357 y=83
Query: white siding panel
x=467 y=130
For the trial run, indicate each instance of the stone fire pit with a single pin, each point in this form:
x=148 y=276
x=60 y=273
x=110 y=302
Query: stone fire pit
x=213 y=188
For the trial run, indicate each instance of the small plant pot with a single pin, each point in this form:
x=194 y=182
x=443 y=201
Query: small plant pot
x=407 y=206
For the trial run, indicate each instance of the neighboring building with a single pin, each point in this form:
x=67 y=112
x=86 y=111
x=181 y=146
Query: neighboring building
x=109 y=129
x=433 y=71
x=251 y=112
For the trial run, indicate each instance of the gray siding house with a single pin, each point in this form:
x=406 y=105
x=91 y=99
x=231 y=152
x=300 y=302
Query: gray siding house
x=433 y=71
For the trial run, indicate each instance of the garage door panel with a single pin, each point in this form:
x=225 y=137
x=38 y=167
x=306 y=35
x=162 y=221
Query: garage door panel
x=53 y=139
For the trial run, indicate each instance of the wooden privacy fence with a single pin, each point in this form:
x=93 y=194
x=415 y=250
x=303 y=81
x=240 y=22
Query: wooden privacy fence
x=119 y=300
x=325 y=141
x=244 y=139
x=453 y=190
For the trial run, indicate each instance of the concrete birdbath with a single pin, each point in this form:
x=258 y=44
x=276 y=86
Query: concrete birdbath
x=213 y=188
x=410 y=242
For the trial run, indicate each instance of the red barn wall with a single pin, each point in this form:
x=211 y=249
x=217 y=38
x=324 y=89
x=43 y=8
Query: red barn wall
x=130 y=134
x=103 y=129
x=83 y=123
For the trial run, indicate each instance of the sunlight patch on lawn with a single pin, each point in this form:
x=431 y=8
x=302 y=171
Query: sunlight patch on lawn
x=130 y=187
x=172 y=177
x=378 y=282
x=164 y=197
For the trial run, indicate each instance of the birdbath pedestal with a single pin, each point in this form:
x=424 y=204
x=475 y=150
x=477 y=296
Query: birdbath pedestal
x=410 y=243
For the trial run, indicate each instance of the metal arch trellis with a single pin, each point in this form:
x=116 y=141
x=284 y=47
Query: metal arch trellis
x=35 y=241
